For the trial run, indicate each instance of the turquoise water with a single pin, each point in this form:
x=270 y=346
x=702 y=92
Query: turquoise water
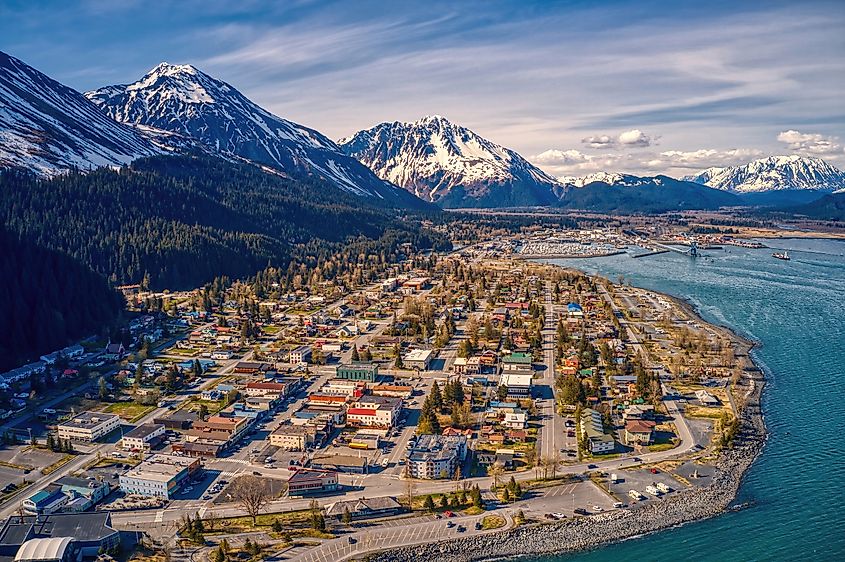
x=796 y=310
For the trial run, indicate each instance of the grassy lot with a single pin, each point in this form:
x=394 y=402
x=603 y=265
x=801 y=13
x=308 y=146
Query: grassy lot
x=129 y=411
x=492 y=522
x=301 y=518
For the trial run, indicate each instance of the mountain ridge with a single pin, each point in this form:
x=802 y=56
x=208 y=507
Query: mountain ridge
x=448 y=164
x=773 y=173
x=184 y=100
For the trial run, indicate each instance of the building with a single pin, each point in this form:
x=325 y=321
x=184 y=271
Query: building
x=143 y=437
x=301 y=354
x=517 y=363
x=83 y=493
x=374 y=411
x=252 y=367
x=56 y=549
x=343 y=387
x=639 y=432
x=342 y=463
x=180 y=419
x=392 y=390
x=365 y=508
x=436 y=456
x=357 y=371
x=592 y=429
x=309 y=481
x=304 y=481
x=293 y=437
x=229 y=428
x=159 y=476
x=518 y=384
x=707 y=399
x=200 y=449
x=45 y=502
x=91 y=534
x=418 y=359
x=517 y=419
x=88 y=426
x=274 y=389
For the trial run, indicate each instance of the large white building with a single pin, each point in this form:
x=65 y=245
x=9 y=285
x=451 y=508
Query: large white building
x=158 y=475
x=88 y=426
x=436 y=456
x=374 y=411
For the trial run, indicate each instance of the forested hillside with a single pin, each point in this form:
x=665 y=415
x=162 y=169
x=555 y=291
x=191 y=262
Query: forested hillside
x=47 y=300
x=181 y=221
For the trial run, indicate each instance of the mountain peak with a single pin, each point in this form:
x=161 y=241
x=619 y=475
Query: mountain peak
x=184 y=100
x=774 y=173
x=446 y=163
x=49 y=128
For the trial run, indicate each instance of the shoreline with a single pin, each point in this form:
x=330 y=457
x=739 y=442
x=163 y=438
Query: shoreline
x=587 y=533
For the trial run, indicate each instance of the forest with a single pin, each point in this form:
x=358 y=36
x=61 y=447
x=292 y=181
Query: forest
x=48 y=300
x=179 y=221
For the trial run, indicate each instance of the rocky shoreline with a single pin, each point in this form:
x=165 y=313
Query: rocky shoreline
x=584 y=533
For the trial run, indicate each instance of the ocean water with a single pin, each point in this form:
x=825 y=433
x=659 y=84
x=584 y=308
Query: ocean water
x=796 y=311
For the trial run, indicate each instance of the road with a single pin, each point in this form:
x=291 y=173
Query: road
x=552 y=431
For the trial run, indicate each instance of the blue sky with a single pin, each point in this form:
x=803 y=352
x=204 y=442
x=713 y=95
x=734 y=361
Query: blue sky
x=574 y=86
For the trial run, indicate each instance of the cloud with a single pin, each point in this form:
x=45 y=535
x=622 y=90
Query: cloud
x=600 y=141
x=810 y=143
x=634 y=138
x=574 y=162
x=703 y=158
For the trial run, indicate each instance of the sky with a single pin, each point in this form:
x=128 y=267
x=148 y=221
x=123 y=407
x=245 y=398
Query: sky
x=640 y=87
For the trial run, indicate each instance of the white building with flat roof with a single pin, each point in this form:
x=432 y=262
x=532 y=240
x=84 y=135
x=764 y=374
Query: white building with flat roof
x=88 y=426
x=418 y=359
x=159 y=475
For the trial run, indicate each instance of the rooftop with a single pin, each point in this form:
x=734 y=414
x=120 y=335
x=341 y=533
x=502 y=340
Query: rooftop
x=144 y=430
x=89 y=419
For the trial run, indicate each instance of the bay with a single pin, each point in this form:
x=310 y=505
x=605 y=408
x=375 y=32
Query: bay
x=796 y=311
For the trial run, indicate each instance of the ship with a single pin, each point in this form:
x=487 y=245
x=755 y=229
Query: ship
x=781 y=255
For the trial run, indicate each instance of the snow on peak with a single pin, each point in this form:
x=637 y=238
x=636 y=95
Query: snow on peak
x=443 y=162
x=184 y=100
x=49 y=128
x=774 y=173
x=610 y=178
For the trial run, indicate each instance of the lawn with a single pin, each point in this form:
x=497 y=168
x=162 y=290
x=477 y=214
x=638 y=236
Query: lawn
x=130 y=411
x=492 y=522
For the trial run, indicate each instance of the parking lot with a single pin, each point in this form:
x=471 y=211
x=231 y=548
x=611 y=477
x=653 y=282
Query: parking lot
x=639 y=480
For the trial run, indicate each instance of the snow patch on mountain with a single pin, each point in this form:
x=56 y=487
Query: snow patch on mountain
x=438 y=160
x=49 y=128
x=774 y=173
x=186 y=101
x=610 y=178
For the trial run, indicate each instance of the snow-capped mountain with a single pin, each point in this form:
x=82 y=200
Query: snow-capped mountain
x=184 y=100
x=49 y=128
x=609 y=178
x=445 y=163
x=775 y=173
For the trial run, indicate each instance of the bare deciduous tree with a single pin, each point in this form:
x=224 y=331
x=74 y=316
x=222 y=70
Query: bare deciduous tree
x=252 y=494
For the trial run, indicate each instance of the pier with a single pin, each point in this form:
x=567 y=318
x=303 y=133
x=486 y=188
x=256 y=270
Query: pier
x=691 y=251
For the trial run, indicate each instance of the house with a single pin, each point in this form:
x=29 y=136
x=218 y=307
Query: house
x=592 y=429
x=505 y=458
x=310 y=481
x=88 y=426
x=639 y=432
x=357 y=371
x=365 y=508
x=252 y=367
x=435 y=457
x=516 y=420
x=393 y=390
x=114 y=352
x=418 y=359
x=707 y=399
x=272 y=389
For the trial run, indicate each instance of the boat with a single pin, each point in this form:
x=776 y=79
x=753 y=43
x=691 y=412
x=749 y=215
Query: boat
x=781 y=255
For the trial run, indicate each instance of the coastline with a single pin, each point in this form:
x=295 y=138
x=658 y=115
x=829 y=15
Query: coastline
x=585 y=533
